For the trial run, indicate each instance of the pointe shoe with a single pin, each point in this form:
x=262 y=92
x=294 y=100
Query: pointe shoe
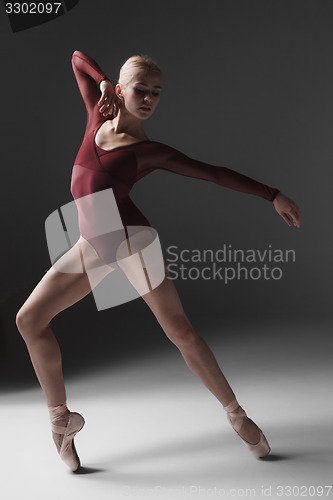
x=75 y=423
x=260 y=449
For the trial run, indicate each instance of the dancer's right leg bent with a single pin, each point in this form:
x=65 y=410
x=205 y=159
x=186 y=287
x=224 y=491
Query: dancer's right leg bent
x=55 y=292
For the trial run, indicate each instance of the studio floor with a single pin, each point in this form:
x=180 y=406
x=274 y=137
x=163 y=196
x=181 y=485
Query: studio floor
x=154 y=431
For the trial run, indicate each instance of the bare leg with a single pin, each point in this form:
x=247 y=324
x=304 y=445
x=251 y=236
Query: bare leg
x=55 y=292
x=168 y=310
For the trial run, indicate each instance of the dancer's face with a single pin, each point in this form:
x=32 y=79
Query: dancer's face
x=141 y=95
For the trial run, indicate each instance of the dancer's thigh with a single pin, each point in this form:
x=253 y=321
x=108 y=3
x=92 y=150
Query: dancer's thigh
x=131 y=260
x=58 y=290
x=166 y=305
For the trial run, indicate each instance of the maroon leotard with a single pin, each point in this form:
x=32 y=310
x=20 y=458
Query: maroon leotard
x=96 y=169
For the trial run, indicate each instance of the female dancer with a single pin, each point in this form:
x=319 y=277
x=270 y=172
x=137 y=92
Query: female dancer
x=115 y=153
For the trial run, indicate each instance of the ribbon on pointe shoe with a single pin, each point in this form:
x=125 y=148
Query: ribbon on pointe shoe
x=237 y=417
x=58 y=413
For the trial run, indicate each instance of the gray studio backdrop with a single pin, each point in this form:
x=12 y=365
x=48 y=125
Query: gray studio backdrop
x=247 y=85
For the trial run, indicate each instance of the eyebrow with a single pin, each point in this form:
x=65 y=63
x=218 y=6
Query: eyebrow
x=155 y=86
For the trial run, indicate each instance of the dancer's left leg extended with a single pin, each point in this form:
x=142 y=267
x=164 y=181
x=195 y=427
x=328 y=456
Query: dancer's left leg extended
x=165 y=303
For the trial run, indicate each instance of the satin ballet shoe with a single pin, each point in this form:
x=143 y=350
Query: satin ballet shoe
x=260 y=449
x=75 y=423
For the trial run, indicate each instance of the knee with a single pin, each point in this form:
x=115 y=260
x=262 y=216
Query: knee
x=23 y=320
x=26 y=321
x=182 y=334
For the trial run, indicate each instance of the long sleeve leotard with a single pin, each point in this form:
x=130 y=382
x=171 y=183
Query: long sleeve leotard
x=96 y=169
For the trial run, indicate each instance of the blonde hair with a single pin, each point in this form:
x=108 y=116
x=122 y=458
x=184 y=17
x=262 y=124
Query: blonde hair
x=134 y=63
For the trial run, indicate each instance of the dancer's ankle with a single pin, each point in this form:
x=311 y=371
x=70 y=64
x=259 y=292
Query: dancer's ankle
x=59 y=414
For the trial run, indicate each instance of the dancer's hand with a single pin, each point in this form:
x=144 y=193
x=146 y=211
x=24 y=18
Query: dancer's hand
x=287 y=207
x=108 y=99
